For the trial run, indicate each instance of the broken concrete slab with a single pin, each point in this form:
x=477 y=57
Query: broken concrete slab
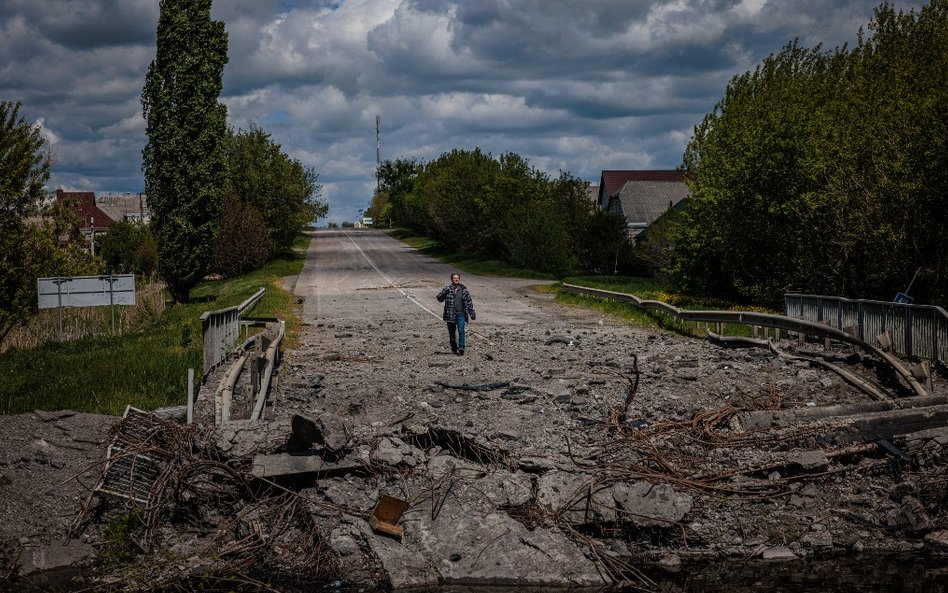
x=297 y=464
x=393 y=451
x=875 y=425
x=769 y=418
x=488 y=549
x=656 y=505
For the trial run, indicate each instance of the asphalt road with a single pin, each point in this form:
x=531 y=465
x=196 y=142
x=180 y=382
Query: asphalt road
x=361 y=275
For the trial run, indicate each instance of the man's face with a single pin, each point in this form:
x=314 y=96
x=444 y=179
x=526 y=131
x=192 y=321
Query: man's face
x=455 y=279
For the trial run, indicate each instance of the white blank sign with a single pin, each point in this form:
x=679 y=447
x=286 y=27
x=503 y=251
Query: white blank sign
x=86 y=291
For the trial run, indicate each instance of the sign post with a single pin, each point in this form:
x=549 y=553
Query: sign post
x=85 y=291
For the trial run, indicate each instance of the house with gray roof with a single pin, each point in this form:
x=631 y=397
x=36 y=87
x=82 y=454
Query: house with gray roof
x=642 y=196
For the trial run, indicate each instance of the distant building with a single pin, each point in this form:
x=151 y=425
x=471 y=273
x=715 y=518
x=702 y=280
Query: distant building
x=593 y=193
x=92 y=219
x=96 y=214
x=642 y=197
x=125 y=206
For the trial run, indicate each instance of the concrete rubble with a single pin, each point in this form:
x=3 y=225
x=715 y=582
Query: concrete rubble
x=584 y=455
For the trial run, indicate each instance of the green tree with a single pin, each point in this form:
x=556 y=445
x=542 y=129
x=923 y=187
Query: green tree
x=888 y=160
x=32 y=250
x=393 y=197
x=184 y=160
x=243 y=242
x=653 y=251
x=281 y=189
x=826 y=172
x=452 y=196
x=128 y=248
x=24 y=169
x=749 y=167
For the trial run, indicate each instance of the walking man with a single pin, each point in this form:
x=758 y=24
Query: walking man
x=458 y=308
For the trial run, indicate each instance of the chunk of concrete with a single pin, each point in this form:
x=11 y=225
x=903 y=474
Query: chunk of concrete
x=646 y=504
x=565 y=493
x=393 y=451
x=463 y=547
x=778 y=553
x=809 y=460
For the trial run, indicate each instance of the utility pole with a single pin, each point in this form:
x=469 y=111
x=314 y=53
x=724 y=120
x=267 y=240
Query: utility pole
x=378 y=151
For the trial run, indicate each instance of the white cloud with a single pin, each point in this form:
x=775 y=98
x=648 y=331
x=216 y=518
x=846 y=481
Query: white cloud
x=575 y=86
x=50 y=136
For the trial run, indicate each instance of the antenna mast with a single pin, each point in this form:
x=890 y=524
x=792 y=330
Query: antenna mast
x=378 y=146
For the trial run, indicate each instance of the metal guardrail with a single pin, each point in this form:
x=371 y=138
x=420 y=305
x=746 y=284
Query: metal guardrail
x=800 y=326
x=915 y=330
x=221 y=329
x=743 y=317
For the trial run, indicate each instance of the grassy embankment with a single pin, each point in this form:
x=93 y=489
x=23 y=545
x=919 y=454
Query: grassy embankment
x=644 y=288
x=147 y=368
x=652 y=290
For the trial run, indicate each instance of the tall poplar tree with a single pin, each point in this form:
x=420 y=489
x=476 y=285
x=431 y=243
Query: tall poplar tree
x=184 y=160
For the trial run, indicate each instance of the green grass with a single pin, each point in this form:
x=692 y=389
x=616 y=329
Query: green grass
x=147 y=369
x=644 y=288
x=651 y=289
x=465 y=262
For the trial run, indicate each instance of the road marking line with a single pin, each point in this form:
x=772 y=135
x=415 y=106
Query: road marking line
x=404 y=293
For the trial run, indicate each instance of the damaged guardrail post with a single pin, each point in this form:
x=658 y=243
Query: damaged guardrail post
x=190 y=396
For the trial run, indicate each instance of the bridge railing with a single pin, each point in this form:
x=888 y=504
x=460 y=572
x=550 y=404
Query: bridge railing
x=916 y=331
x=221 y=330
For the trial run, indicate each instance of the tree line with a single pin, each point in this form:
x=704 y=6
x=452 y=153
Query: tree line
x=819 y=171
x=501 y=208
x=826 y=171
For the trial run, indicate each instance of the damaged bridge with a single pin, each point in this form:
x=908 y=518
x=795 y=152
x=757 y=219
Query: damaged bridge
x=565 y=448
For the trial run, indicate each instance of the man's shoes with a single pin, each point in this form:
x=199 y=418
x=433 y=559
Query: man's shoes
x=460 y=351
x=454 y=350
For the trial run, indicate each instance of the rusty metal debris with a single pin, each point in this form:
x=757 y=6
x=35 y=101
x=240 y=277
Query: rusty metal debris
x=194 y=484
x=385 y=517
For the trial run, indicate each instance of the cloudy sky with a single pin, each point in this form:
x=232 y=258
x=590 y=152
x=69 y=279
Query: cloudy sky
x=572 y=85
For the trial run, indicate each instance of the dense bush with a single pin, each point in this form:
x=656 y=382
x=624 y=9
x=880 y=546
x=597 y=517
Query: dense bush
x=243 y=242
x=129 y=247
x=826 y=171
x=500 y=208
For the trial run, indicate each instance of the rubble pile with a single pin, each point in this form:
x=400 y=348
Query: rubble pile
x=564 y=449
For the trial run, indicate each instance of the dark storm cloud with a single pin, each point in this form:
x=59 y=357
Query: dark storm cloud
x=87 y=24
x=574 y=86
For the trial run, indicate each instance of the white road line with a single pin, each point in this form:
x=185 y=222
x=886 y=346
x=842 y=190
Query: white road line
x=404 y=293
